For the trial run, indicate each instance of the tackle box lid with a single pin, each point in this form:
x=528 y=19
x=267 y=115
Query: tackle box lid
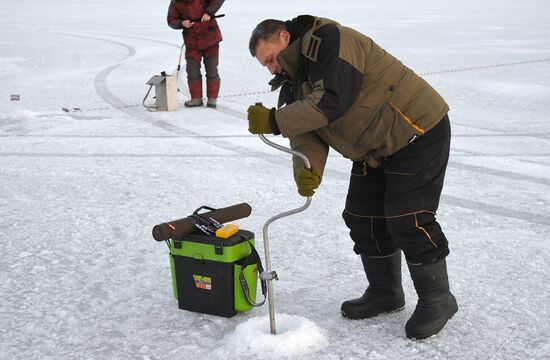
x=198 y=237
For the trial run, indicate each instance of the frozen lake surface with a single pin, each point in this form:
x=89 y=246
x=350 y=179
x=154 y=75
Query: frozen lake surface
x=82 y=278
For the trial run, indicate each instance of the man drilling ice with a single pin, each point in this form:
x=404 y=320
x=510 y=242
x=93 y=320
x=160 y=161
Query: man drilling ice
x=340 y=90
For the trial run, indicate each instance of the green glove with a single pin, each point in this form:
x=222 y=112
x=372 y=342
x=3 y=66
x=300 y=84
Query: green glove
x=259 y=120
x=307 y=180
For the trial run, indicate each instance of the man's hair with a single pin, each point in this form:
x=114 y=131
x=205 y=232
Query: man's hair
x=265 y=30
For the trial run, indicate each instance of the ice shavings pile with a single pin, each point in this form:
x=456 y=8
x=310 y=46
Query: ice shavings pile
x=295 y=336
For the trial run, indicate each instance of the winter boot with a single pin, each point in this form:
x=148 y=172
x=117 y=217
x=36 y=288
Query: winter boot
x=211 y=103
x=195 y=89
x=384 y=293
x=193 y=103
x=435 y=305
x=212 y=90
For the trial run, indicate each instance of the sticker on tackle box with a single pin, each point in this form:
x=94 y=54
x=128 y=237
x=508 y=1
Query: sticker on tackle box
x=203 y=282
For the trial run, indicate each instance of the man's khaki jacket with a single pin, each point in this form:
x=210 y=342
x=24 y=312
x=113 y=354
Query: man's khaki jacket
x=350 y=94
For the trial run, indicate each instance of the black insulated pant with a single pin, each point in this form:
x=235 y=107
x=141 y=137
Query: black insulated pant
x=394 y=206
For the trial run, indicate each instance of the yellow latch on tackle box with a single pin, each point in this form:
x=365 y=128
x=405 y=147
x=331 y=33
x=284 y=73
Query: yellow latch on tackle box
x=227 y=231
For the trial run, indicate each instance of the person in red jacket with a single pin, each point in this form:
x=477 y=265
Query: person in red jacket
x=201 y=36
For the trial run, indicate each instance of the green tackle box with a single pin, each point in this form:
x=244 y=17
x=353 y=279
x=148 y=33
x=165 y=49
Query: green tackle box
x=205 y=273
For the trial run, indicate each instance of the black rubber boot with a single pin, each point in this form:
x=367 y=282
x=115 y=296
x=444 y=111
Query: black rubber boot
x=435 y=305
x=384 y=293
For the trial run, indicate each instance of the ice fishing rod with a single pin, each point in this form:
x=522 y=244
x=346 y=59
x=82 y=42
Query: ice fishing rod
x=211 y=17
x=269 y=275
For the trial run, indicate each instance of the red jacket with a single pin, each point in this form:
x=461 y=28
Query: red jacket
x=202 y=35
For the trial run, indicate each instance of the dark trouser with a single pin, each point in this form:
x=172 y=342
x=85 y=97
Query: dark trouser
x=394 y=206
x=194 y=78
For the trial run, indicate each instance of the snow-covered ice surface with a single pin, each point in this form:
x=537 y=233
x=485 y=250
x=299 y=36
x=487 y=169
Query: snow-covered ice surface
x=82 y=278
x=295 y=337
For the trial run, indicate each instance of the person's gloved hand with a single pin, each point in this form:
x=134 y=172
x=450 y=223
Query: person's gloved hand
x=259 y=119
x=307 y=180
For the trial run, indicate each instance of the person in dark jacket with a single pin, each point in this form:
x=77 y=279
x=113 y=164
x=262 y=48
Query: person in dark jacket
x=201 y=35
x=341 y=90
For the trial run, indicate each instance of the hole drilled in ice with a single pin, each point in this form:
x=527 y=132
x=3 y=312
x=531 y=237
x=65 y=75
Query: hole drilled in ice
x=295 y=336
